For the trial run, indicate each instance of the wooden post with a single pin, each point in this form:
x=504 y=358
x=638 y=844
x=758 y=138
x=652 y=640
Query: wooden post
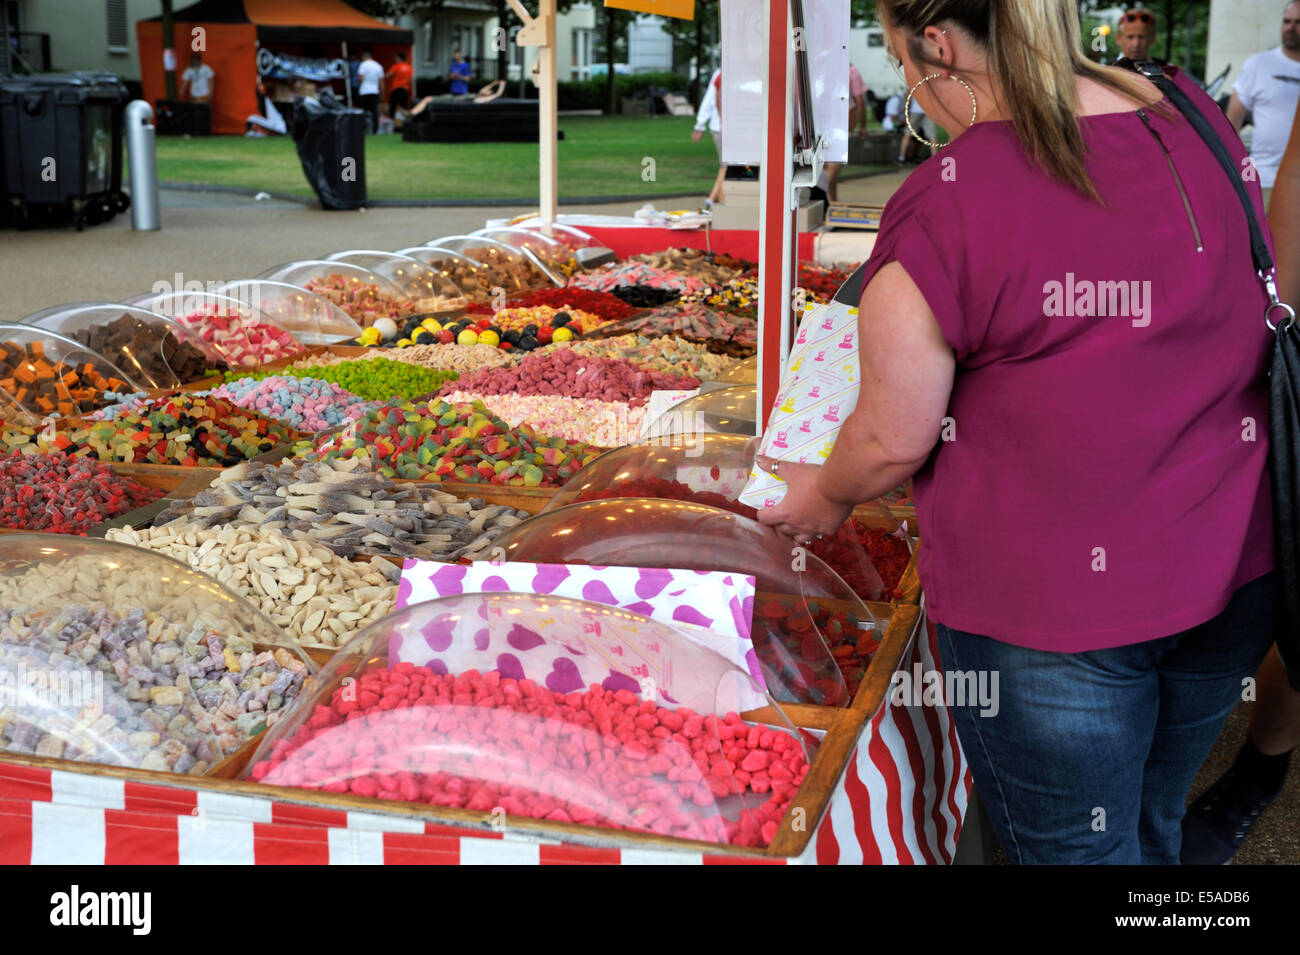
x=549 y=124
x=539 y=31
x=169 y=43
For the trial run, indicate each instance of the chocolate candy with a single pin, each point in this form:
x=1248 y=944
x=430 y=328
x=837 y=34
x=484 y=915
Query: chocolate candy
x=130 y=342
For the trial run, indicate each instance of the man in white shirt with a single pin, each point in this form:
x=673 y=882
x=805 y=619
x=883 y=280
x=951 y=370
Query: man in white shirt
x=710 y=117
x=197 y=80
x=1269 y=86
x=369 y=76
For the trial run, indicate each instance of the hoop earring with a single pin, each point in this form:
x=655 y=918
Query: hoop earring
x=907 y=107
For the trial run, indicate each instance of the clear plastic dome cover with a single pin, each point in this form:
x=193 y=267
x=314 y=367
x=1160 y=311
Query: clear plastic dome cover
x=111 y=654
x=713 y=469
x=803 y=609
x=157 y=352
x=571 y=236
x=236 y=332
x=477 y=281
x=361 y=292
x=743 y=372
x=513 y=269
x=431 y=289
x=707 y=469
x=47 y=374
x=729 y=410
x=550 y=253
x=539 y=707
x=309 y=318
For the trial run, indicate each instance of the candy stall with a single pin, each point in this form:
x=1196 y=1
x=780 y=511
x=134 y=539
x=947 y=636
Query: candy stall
x=443 y=555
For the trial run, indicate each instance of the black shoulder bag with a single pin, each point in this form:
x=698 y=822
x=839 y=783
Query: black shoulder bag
x=1284 y=389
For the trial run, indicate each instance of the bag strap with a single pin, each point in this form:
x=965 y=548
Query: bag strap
x=1259 y=253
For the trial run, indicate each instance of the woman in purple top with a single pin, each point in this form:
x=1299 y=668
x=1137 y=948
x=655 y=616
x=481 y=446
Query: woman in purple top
x=1062 y=338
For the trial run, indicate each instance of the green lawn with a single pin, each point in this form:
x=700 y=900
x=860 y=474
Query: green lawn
x=599 y=156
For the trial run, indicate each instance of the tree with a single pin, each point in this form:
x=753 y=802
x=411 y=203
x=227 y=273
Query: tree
x=609 y=44
x=692 y=38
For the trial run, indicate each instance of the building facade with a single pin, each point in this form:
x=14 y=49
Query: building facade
x=1239 y=29
x=82 y=34
x=472 y=27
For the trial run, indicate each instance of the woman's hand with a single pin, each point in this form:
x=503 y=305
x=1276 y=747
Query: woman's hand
x=804 y=513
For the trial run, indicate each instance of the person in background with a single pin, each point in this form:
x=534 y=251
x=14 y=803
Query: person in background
x=1219 y=821
x=893 y=123
x=1269 y=87
x=857 y=103
x=196 y=81
x=459 y=74
x=1097 y=532
x=1137 y=34
x=369 y=75
x=709 y=117
x=923 y=124
x=398 y=79
x=267 y=121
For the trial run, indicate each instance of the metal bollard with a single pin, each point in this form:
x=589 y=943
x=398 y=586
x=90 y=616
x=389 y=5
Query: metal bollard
x=143 y=160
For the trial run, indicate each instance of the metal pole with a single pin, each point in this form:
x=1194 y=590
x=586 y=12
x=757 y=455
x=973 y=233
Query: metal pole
x=143 y=165
x=5 y=67
x=347 y=76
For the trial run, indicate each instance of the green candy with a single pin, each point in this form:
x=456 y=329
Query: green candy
x=374 y=379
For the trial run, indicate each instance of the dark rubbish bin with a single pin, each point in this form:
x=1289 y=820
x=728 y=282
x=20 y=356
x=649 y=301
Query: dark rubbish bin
x=61 y=146
x=331 y=141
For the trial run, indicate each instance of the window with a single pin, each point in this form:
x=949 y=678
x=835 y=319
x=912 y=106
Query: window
x=430 y=38
x=118 y=39
x=875 y=39
x=581 y=64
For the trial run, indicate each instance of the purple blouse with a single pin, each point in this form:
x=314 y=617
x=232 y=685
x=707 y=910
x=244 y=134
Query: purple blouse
x=1103 y=478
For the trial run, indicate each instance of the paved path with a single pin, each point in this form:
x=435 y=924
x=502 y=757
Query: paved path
x=218 y=236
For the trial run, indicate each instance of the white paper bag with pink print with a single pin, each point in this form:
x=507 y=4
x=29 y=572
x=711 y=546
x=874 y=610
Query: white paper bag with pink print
x=819 y=388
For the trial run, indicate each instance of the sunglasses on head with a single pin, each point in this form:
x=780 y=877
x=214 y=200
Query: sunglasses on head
x=1141 y=16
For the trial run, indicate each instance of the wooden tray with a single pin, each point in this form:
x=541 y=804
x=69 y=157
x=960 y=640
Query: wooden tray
x=841 y=728
x=840 y=734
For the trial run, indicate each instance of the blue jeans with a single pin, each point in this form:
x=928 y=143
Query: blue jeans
x=1090 y=755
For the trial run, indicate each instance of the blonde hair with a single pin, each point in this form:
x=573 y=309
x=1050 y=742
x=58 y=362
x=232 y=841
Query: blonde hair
x=1034 y=52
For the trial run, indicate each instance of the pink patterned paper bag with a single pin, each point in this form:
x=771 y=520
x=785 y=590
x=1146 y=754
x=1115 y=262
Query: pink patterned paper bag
x=715 y=609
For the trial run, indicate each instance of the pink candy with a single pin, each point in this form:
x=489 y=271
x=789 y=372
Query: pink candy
x=606 y=424
x=239 y=340
x=638 y=273
x=565 y=372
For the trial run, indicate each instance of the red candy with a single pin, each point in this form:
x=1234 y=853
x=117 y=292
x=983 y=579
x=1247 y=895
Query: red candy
x=889 y=554
x=64 y=495
x=485 y=742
